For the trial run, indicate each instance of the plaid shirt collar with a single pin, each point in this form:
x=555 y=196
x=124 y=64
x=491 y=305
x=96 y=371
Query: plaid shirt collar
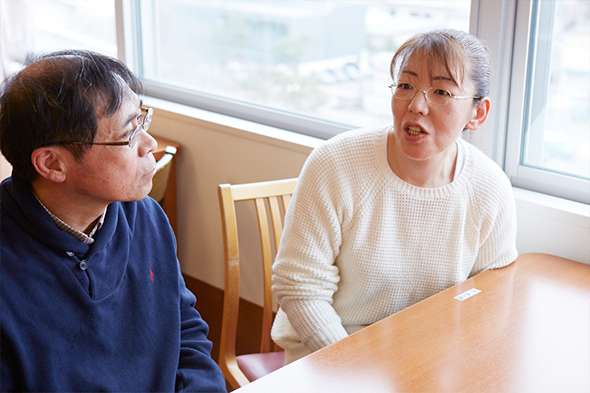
x=86 y=239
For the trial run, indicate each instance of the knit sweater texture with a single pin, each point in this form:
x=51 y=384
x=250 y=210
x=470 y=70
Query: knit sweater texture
x=360 y=244
x=126 y=323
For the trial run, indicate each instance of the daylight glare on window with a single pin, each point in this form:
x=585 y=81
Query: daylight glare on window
x=557 y=136
x=31 y=27
x=73 y=24
x=320 y=67
x=322 y=59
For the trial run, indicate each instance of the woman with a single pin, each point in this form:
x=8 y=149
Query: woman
x=383 y=218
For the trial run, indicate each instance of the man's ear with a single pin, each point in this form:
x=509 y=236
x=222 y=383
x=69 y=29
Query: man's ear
x=49 y=163
x=481 y=114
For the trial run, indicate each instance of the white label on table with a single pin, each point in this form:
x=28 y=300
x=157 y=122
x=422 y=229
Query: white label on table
x=467 y=294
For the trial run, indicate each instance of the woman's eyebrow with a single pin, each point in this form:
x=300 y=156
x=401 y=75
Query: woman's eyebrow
x=443 y=78
x=408 y=72
x=436 y=78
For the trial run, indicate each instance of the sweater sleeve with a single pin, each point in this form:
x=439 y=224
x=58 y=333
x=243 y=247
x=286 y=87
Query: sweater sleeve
x=197 y=372
x=305 y=276
x=498 y=228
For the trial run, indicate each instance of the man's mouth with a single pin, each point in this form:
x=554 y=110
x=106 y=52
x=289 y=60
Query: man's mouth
x=415 y=130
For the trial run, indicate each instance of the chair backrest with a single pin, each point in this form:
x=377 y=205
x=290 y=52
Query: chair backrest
x=160 y=180
x=273 y=196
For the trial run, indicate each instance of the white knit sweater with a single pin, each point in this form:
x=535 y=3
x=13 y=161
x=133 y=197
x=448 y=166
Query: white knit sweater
x=360 y=244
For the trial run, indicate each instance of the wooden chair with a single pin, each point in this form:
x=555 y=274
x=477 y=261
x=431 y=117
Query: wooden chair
x=160 y=180
x=243 y=369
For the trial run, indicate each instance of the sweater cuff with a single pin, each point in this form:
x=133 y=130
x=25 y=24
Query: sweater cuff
x=327 y=335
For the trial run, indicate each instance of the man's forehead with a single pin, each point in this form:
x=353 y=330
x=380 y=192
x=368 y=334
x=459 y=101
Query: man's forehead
x=129 y=102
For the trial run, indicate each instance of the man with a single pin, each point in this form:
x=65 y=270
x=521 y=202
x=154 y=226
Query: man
x=92 y=298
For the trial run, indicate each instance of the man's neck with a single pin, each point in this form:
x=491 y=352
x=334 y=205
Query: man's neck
x=80 y=216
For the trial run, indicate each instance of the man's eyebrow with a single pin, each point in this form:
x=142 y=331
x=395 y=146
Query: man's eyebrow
x=130 y=118
x=134 y=116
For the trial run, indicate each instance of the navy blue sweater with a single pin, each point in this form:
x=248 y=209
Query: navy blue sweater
x=126 y=323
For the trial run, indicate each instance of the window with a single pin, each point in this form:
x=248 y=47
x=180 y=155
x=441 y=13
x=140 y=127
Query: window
x=320 y=67
x=37 y=26
x=552 y=152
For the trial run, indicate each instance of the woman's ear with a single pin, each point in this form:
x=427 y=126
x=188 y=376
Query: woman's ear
x=481 y=114
x=49 y=163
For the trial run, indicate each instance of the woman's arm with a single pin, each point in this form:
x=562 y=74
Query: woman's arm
x=498 y=229
x=305 y=277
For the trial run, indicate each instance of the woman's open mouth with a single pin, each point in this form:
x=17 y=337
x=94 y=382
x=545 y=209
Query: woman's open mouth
x=415 y=130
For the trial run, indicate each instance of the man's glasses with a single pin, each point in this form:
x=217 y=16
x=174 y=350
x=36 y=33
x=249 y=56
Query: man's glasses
x=145 y=121
x=435 y=96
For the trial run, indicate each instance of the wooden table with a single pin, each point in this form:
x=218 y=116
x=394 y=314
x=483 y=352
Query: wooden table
x=528 y=330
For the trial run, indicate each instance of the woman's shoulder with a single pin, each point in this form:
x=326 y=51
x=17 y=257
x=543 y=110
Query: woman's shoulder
x=345 y=162
x=485 y=175
x=356 y=139
x=349 y=147
x=480 y=163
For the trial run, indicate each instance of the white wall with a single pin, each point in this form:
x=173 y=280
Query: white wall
x=215 y=149
x=552 y=225
x=218 y=149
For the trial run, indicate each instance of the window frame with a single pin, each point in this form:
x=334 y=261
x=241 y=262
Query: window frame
x=505 y=25
x=521 y=175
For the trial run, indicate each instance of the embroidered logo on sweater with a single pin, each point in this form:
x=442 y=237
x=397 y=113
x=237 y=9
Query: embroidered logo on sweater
x=151 y=274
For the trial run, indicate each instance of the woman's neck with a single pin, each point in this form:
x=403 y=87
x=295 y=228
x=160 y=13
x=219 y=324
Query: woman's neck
x=436 y=171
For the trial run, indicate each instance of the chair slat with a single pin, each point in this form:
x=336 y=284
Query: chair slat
x=264 y=195
x=276 y=219
x=262 y=189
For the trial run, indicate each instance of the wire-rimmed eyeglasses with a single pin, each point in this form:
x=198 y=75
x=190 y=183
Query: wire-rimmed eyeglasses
x=145 y=120
x=435 y=96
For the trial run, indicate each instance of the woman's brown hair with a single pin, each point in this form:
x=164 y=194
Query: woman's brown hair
x=460 y=53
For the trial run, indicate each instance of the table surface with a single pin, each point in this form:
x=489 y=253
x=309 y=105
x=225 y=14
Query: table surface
x=528 y=330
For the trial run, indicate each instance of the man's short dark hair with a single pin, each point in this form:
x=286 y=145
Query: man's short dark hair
x=59 y=97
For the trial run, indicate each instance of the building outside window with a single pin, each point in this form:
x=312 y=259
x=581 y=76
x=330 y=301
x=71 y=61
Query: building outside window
x=322 y=67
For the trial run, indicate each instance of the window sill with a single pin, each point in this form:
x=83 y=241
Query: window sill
x=545 y=223
x=575 y=213
x=234 y=125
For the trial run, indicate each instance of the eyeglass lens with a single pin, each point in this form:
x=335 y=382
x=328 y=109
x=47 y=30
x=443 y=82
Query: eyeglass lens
x=143 y=125
x=405 y=91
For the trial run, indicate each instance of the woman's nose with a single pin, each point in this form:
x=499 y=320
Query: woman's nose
x=419 y=103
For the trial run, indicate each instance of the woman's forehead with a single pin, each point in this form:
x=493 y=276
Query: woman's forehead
x=418 y=65
x=434 y=66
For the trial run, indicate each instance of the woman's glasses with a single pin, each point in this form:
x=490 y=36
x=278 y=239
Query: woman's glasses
x=434 y=95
